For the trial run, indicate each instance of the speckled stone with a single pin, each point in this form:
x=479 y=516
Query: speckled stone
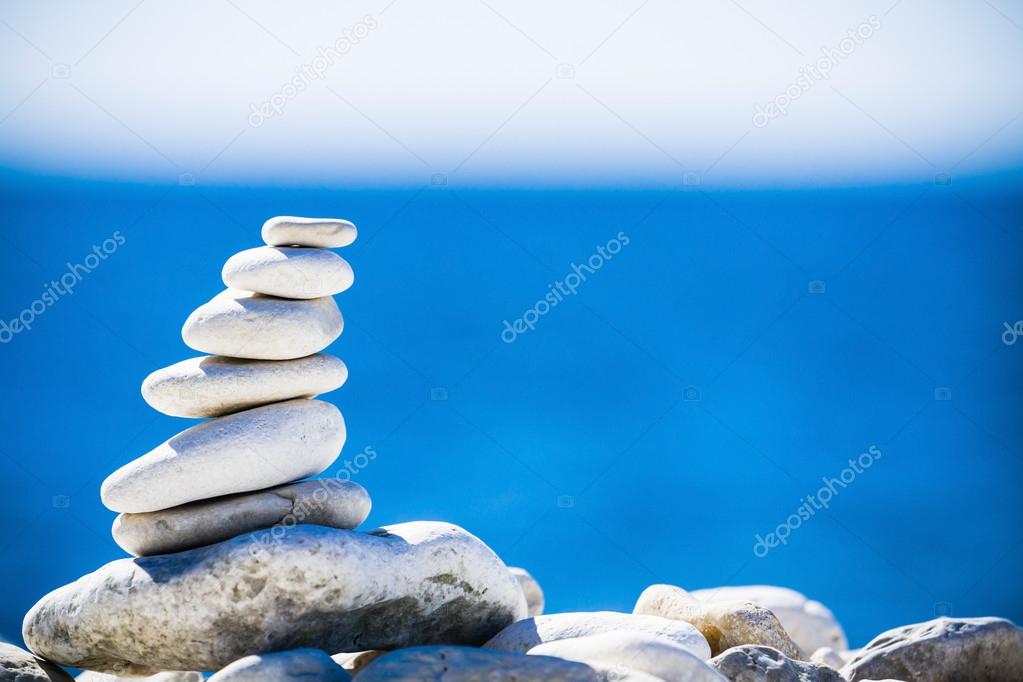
x=334 y=590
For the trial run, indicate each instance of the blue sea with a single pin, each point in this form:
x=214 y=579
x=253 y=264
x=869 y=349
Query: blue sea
x=686 y=367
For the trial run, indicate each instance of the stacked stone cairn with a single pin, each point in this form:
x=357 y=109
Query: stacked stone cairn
x=242 y=569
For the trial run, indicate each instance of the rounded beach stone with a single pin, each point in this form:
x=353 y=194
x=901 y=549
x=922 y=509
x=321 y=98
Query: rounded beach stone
x=658 y=656
x=531 y=590
x=464 y=664
x=961 y=649
x=313 y=586
x=288 y=272
x=522 y=636
x=355 y=661
x=809 y=623
x=89 y=676
x=16 y=664
x=324 y=233
x=724 y=624
x=749 y=663
x=243 y=324
x=324 y=502
x=828 y=656
x=297 y=664
x=212 y=386
x=251 y=450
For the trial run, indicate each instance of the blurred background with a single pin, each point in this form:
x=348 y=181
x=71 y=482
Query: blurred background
x=821 y=204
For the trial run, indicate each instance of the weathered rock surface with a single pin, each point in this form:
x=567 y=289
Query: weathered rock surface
x=324 y=502
x=335 y=590
x=324 y=233
x=828 y=656
x=298 y=664
x=18 y=665
x=651 y=654
x=750 y=663
x=89 y=676
x=212 y=386
x=288 y=272
x=463 y=664
x=522 y=636
x=243 y=324
x=961 y=649
x=245 y=451
x=809 y=623
x=723 y=624
x=531 y=590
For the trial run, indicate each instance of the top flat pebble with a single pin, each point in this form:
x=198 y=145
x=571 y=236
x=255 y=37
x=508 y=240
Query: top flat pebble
x=323 y=233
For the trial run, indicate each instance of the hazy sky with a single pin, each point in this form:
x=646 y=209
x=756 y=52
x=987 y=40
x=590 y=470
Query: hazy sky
x=748 y=93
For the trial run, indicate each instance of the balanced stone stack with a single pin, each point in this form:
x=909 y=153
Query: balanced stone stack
x=237 y=556
x=236 y=472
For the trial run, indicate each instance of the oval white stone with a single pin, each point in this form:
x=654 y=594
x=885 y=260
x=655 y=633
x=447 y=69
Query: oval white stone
x=324 y=502
x=324 y=233
x=658 y=656
x=531 y=590
x=522 y=636
x=288 y=272
x=282 y=666
x=211 y=386
x=809 y=623
x=250 y=450
x=243 y=324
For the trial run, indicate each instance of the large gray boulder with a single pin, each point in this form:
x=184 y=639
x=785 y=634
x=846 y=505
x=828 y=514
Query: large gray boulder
x=330 y=589
x=18 y=665
x=960 y=649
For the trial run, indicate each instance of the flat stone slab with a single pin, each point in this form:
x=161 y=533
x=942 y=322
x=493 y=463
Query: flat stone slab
x=324 y=233
x=288 y=272
x=251 y=450
x=243 y=324
x=324 y=588
x=212 y=386
x=324 y=502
